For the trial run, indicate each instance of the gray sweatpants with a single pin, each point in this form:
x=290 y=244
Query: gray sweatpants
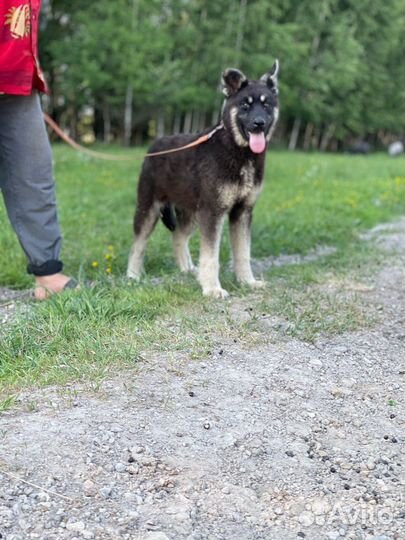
x=26 y=181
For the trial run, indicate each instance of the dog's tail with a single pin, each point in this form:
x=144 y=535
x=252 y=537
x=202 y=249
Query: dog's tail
x=168 y=217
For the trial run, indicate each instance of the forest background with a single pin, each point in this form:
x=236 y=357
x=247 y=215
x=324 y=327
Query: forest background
x=128 y=70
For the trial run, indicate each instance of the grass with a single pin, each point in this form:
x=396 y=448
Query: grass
x=308 y=200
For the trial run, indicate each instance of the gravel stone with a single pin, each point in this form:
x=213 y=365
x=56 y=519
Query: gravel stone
x=89 y=488
x=333 y=535
x=106 y=492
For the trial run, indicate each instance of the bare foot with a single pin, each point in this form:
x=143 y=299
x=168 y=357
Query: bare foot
x=45 y=286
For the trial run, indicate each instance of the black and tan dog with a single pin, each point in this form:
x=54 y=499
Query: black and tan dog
x=202 y=185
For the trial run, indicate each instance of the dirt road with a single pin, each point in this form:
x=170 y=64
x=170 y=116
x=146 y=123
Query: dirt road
x=285 y=441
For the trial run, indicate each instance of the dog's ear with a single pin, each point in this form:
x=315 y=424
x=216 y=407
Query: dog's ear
x=271 y=78
x=232 y=81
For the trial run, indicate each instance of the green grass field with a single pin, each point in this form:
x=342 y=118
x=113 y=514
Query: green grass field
x=308 y=200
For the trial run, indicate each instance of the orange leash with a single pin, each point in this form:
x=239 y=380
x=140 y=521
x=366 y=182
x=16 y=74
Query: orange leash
x=102 y=155
x=51 y=123
x=200 y=140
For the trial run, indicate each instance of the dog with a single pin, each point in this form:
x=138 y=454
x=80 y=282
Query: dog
x=203 y=184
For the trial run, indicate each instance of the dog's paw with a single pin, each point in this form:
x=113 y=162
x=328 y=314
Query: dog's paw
x=253 y=283
x=256 y=284
x=190 y=269
x=217 y=292
x=136 y=276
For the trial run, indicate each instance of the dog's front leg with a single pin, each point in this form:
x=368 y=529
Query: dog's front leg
x=240 y=220
x=208 y=270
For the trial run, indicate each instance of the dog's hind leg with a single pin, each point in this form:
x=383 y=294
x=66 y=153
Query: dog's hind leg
x=181 y=235
x=240 y=219
x=208 y=271
x=144 y=223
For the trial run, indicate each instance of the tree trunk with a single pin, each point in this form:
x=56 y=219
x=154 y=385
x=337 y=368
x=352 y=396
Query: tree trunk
x=187 y=122
x=129 y=95
x=315 y=138
x=215 y=116
x=294 y=134
x=128 y=115
x=307 y=136
x=107 y=122
x=98 y=124
x=73 y=123
x=160 y=124
x=202 y=124
x=196 y=122
x=326 y=137
x=177 y=122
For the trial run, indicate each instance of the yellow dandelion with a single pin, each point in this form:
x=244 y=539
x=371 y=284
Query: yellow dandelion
x=110 y=247
x=400 y=181
x=108 y=270
x=108 y=256
x=94 y=264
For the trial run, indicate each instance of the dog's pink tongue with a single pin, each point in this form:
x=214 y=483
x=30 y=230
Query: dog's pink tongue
x=257 y=142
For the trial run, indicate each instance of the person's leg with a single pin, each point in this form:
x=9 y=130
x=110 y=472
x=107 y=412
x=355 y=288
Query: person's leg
x=27 y=184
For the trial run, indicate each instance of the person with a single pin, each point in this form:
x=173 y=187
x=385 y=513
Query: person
x=26 y=175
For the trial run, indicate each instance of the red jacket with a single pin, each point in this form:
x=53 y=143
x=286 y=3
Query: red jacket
x=19 y=67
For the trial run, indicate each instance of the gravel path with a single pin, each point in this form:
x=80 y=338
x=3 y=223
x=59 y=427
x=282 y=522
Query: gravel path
x=285 y=441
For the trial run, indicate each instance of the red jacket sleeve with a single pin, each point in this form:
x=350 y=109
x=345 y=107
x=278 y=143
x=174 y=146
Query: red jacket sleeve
x=20 y=72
